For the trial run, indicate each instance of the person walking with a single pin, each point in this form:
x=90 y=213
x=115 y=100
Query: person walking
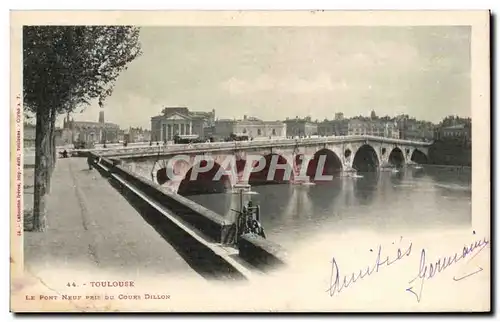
x=90 y=160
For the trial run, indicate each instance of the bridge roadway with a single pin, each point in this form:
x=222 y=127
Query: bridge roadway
x=163 y=150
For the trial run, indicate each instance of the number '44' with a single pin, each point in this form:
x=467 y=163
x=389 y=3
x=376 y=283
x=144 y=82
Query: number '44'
x=71 y=284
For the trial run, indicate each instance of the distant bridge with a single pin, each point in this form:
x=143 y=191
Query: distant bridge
x=340 y=153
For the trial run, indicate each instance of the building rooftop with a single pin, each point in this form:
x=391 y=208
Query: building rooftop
x=94 y=124
x=298 y=120
x=454 y=127
x=183 y=111
x=176 y=109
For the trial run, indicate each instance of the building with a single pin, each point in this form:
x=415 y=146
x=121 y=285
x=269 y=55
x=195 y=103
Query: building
x=29 y=135
x=411 y=129
x=391 y=130
x=426 y=130
x=452 y=143
x=408 y=128
x=373 y=127
x=457 y=132
x=358 y=126
x=121 y=136
x=300 y=127
x=89 y=132
x=250 y=126
x=337 y=127
x=136 y=134
x=339 y=116
x=209 y=132
x=180 y=121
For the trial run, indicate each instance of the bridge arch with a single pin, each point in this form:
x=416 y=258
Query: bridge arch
x=325 y=162
x=240 y=165
x=366 y=159
x=162 y=176
x=175 y=167
x=204 y=182
x=419 y=157
x=282 y=174
x=396 y=157
x=298 y=160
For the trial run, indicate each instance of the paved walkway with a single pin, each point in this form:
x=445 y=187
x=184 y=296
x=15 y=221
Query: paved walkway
x=90 y=223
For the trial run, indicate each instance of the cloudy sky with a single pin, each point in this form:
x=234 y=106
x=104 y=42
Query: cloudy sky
x=278 y=72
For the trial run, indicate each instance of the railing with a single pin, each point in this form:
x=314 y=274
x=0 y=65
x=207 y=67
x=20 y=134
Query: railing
x=120 y=145
x=217 y=146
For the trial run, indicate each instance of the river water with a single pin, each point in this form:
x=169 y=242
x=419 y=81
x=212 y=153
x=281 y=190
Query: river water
x=431 y=197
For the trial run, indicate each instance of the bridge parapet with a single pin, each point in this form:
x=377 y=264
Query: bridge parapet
x=238 y=145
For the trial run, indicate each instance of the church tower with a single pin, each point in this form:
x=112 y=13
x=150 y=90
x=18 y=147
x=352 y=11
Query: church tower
x=101 y=116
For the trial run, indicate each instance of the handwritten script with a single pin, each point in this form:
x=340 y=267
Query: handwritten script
x=337 y=284
x=426 y=270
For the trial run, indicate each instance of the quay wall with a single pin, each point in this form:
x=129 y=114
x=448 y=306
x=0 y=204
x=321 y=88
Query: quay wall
x=257 y=252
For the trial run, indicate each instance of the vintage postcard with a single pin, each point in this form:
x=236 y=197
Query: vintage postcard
x=250 y=161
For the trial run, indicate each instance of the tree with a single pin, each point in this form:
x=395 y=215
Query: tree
x=63 y=68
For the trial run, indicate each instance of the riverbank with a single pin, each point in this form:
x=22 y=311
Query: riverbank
x=449 y=168
x=450 y=152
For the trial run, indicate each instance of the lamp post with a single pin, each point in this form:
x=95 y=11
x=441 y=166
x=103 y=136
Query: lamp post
x=102 y=122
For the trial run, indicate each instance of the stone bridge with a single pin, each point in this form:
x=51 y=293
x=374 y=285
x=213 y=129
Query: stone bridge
x=214 y=167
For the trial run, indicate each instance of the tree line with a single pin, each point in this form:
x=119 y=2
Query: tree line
x=64 y=68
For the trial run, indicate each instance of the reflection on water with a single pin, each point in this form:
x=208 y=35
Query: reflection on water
x=416 y=199
x=365 y=188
